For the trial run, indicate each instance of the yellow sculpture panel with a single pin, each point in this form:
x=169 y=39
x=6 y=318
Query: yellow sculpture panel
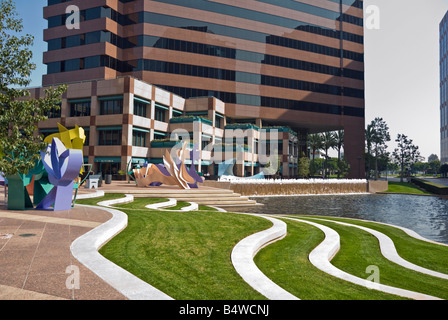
x=72 y=139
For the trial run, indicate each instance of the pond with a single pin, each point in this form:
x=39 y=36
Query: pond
x=428 y=216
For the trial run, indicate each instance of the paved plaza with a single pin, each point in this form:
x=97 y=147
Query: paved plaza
x=35 y=258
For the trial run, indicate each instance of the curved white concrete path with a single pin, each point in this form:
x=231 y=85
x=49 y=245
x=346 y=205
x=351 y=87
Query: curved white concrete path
x=90 y=195
x=389 y=251
x=244 y=252
x=161 y=205
x=193 y=206
x=409 y=232
x=110 y=203
x=85 y=250
x=321 y=256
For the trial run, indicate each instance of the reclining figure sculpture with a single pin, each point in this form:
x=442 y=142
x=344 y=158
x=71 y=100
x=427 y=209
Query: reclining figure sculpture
x=170 y=173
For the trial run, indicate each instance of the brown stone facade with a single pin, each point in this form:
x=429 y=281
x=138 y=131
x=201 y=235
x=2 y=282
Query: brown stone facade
x=130 y=137
x=298 y=65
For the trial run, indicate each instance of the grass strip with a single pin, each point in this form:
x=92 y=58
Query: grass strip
x=95 y=201
x=286 y=263
x=140 y=203
x=360 y=249
x=425 y=254
x=406 y=188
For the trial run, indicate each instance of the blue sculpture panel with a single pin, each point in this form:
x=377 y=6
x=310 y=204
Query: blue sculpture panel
x=62 y=166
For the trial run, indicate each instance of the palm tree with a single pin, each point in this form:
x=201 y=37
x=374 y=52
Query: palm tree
x=339 y=135
x=328 y=142
x=369 y=133
x=378 y=132
x=315 y=144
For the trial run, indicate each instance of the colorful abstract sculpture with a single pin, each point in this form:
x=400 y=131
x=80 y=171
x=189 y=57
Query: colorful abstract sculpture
x=226 y=168
x=171 y=173
x=62 y=166
x=49 y=181
x=72 y=139
x=41 y=185
x=18 y=196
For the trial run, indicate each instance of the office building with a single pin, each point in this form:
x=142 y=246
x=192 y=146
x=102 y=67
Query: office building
x=444 y=89
x=289 y=64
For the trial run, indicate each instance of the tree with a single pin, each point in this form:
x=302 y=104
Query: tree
x=315 y=144
x=303 y=166
x=339 y=135
x=19 y=114
x=328 y=142
x=420 y=167
x=444 y=169
x=434 y=166
x=378 y=134
x=406 y=154
x=316 y=165
x=368 y=155
x=433 y=157
x=343 y=167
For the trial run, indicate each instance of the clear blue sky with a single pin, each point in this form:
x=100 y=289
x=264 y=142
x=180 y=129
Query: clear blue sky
x=402 y=65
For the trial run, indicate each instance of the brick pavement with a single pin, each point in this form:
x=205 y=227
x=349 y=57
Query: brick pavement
x=35 y=255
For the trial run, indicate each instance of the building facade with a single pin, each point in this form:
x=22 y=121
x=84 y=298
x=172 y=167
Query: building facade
x=128 y=122
x=296 y=64
x=444 y=90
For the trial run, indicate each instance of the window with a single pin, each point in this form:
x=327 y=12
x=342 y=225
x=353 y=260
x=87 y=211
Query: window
x=206 y=140
x=160 y=114
x=48 y=132
x=92 y=62
x=111 y=106
x=54 y=44
x=109 y=137
x=54 y=67
x=72 y=65
x=55 y=112
x=141 y=107
x=93 y=37
x=87 y=133
x=76 y=40
x=280 y=147
x=138 y=138
x=218 y=121
x=79 y=108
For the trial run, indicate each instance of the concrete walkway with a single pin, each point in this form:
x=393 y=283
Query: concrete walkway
x=244 y=252
x=86 y=247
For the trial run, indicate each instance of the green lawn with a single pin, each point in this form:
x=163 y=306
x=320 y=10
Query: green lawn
x=286 y=263
x=94 y=201
x=187 y=256
x=419 y=252
x=138 y=203
x=184 y=254
x=404 y=187
x=360 y=249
